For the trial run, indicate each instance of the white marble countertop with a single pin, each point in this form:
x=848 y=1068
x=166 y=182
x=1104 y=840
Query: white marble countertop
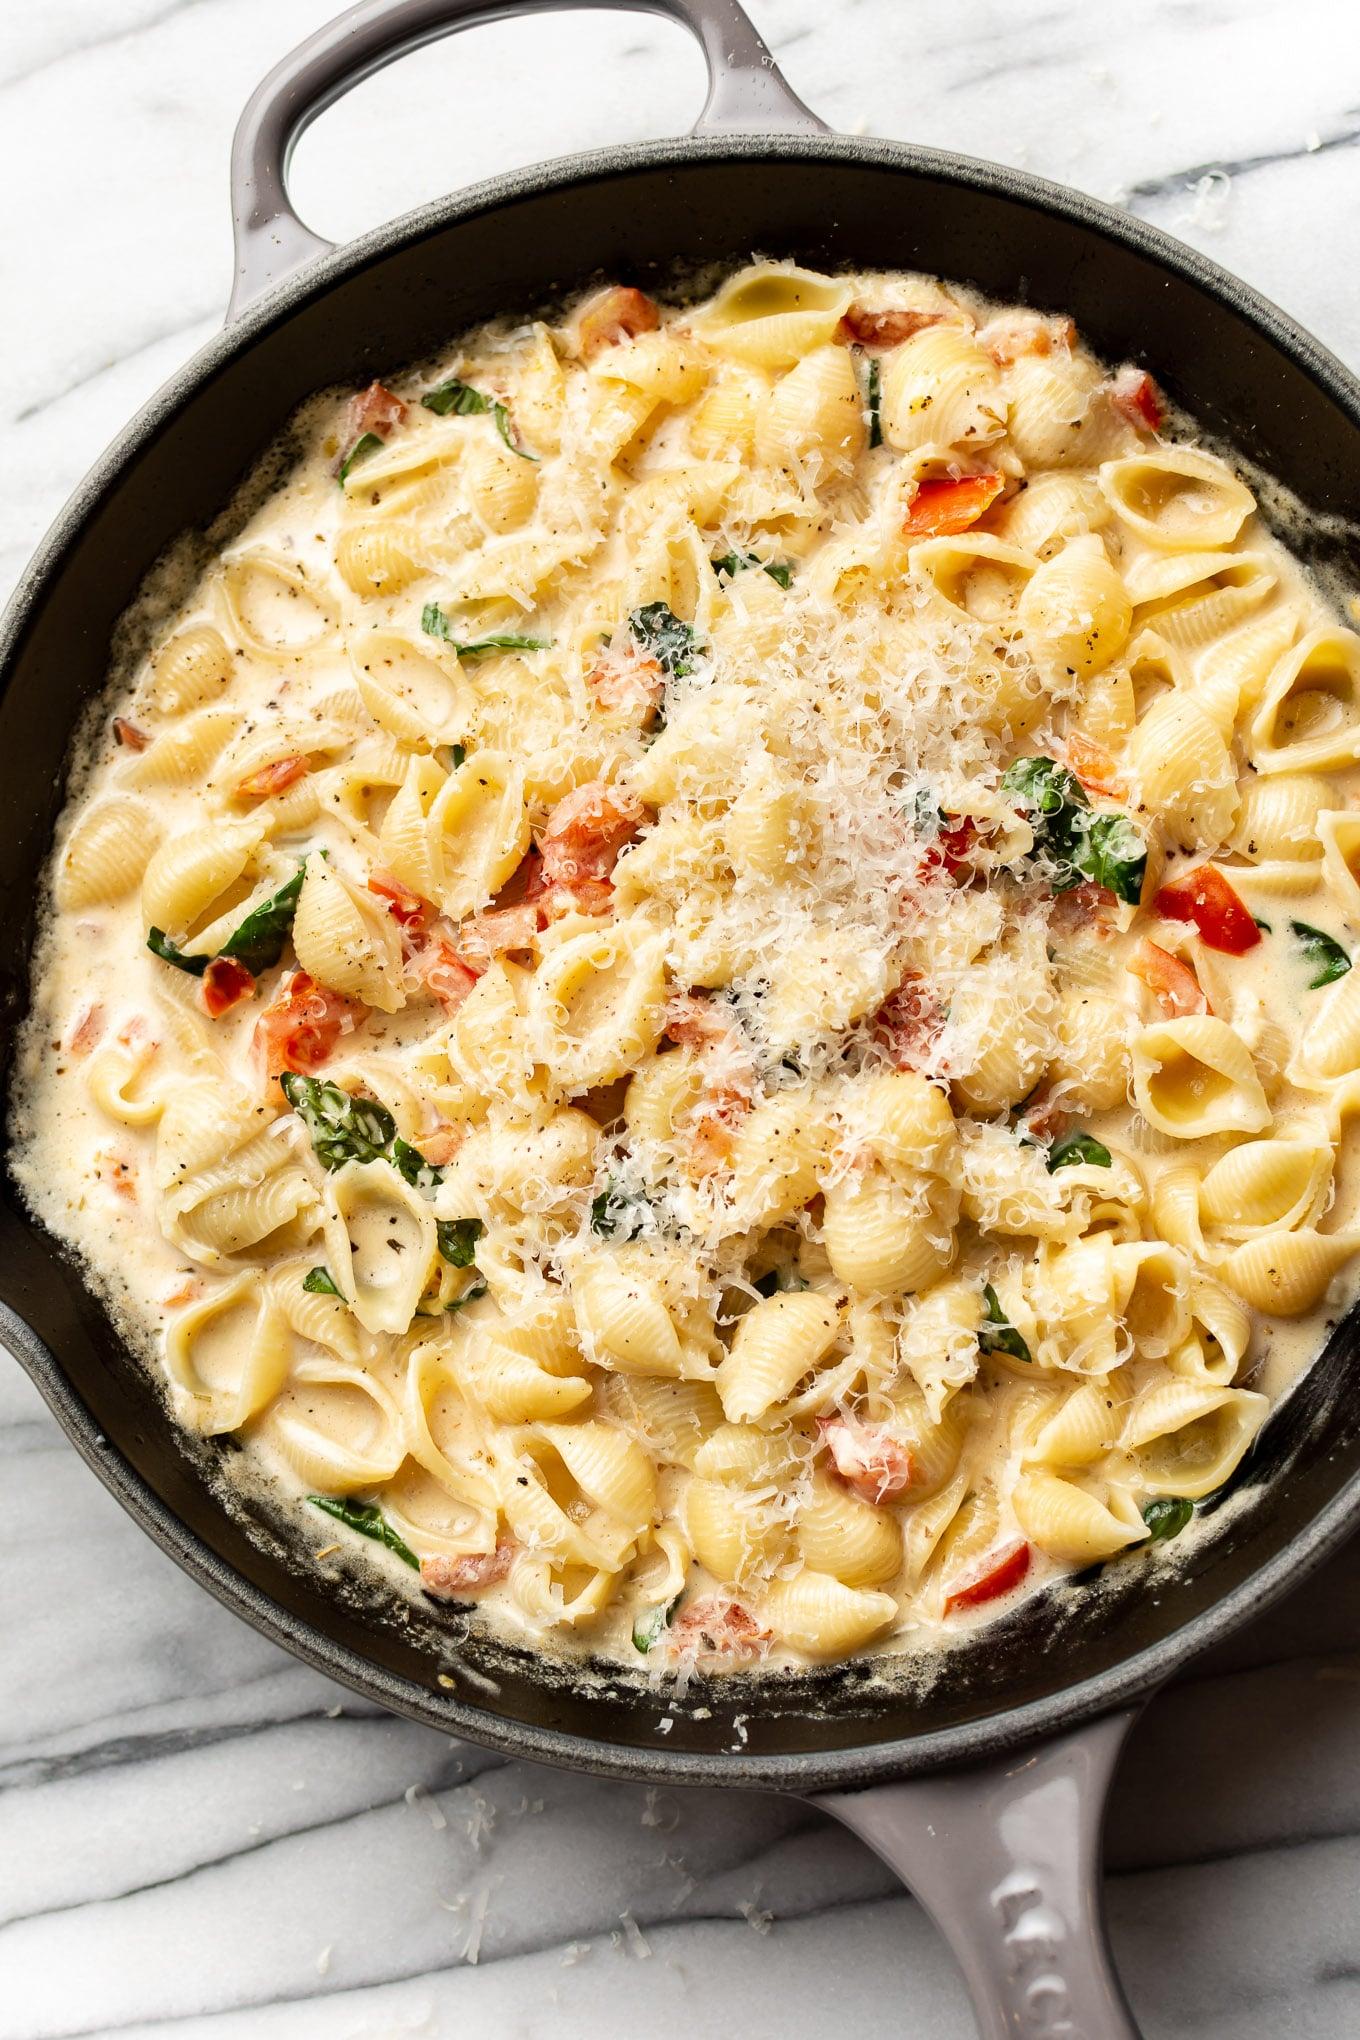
x=198 y=1836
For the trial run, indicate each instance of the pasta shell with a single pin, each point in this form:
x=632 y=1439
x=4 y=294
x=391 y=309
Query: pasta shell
x=191 y=668
x=106 y=853
x=1177 y=497
x=777 y=1342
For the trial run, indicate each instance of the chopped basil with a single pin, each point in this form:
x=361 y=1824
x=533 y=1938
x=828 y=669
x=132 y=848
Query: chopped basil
x=344 y=1129
x=733 y=564
x=652 y=1625
x=1264 y=926
x=465 y=402
x=458 y=1239
x=998 y=1334
x=369 y=1521
x=364 y=446
x=258 y=942
x=435 y=624
x=1166 y=1517
x=318 y=1282
x=159 y=943
x=1328 y=959
x=1077 y=1148
x=658 y=631
x=1078 y=843
x=875 y=404
x=615 y=1214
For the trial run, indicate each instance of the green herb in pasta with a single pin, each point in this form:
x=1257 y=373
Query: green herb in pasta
x=435 y=623
x=656 y=630
x=998 y=1334
x=458 y=1239
x=369 y=1521
x=652 y=1624
x=344 y=1128
x=1166 y=1517
x=874 y=407
x=1327 y=958
x=319 y=1282
x=731 y=564
x=257 y=944
x=364 y=446
x=1079 y=1147
x=1075 y=842
x=460 y=399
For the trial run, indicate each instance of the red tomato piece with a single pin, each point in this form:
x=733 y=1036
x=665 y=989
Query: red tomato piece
x=627 y=686
x=1013 y=334
x=694 y=1021
x=587 y=830
x=1206 y=898
x=909 y=1023
x=224 y=984
x=273 y=778
x=128 y=734
x=443 y=972
x=1136 y=397
x=1001 y=1575
x=500 y=929
x=302 y=1023
x=377 y=410
x=402 y=904
x=618 y=314
x=883 y=329
x=870 y=1459
x=1172 y=983
x=1094 y=767
x=86 y=1029
x=715 y=1627
x=456 y=1579
x=944 y=505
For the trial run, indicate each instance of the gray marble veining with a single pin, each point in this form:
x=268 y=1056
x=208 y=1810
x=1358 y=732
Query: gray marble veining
x=199 y=1837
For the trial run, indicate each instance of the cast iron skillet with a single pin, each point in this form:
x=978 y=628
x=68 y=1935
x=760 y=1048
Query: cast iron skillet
x=1005 y=1855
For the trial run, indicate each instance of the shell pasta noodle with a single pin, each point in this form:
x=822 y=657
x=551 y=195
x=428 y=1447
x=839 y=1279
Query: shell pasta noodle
x=702 y=988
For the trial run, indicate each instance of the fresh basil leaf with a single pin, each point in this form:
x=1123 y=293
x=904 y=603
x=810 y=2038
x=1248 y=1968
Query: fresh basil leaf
x=258 y=942
x=733 y=564
x=1110 y=851
x=435 y=624
x=658 y=631
x=159 y=943
x=343 y=1128
x=1166 y=1517
x=458 y=1239
x=652 y=1624
x=1077 y=1148
x=615 y=1215
x=1044 y=788
x=1264 y=926
x=318 y=1282
x=457 y=755
x=460 y=399
x=368 y=1519
x=411 y=1164
x=1328 y=959
x=457 y=397
x=875 y=405
x=998 y=1334
x=363 y=448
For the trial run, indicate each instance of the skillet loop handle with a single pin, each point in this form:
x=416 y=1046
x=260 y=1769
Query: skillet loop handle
x=746 y=95
x=1006 y=1860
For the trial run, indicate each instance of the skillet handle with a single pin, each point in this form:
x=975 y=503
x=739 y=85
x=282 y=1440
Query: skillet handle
x=1006 y=1860
x=746 y=95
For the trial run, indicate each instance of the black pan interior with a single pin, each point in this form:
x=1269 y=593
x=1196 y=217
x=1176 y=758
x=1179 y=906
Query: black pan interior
x=397 y=297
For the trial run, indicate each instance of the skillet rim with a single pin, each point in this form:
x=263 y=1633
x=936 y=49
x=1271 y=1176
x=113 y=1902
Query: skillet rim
x=1124 y=1683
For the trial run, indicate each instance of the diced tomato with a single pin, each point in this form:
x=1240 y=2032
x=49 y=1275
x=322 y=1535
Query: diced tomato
x=273 y=778
x=715 y=1627
x=118 y=1173
x=693 y=1020
x=444 y=973
x=224 y=984
x=302 y=1023
x=185 y=1290
x=944 y=504
x=1000 y=1576
x=585 y=896
x=909 y=1023
x=455 y=1579
x=402 y=904
x=1087 y=906
x=1206 y=898
x=949 y=848
x=1043 y=1119
x=86 y=1029
x=1172 y=983
x=1136 y=397
x=628 y=687
x=587 y=830
x=128 y=734
x=883 y=329
x=870 y=1459
x=1094 y=767
x=1013 y=334
x=617 y=314
x=377 y=410
x=500 y=929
